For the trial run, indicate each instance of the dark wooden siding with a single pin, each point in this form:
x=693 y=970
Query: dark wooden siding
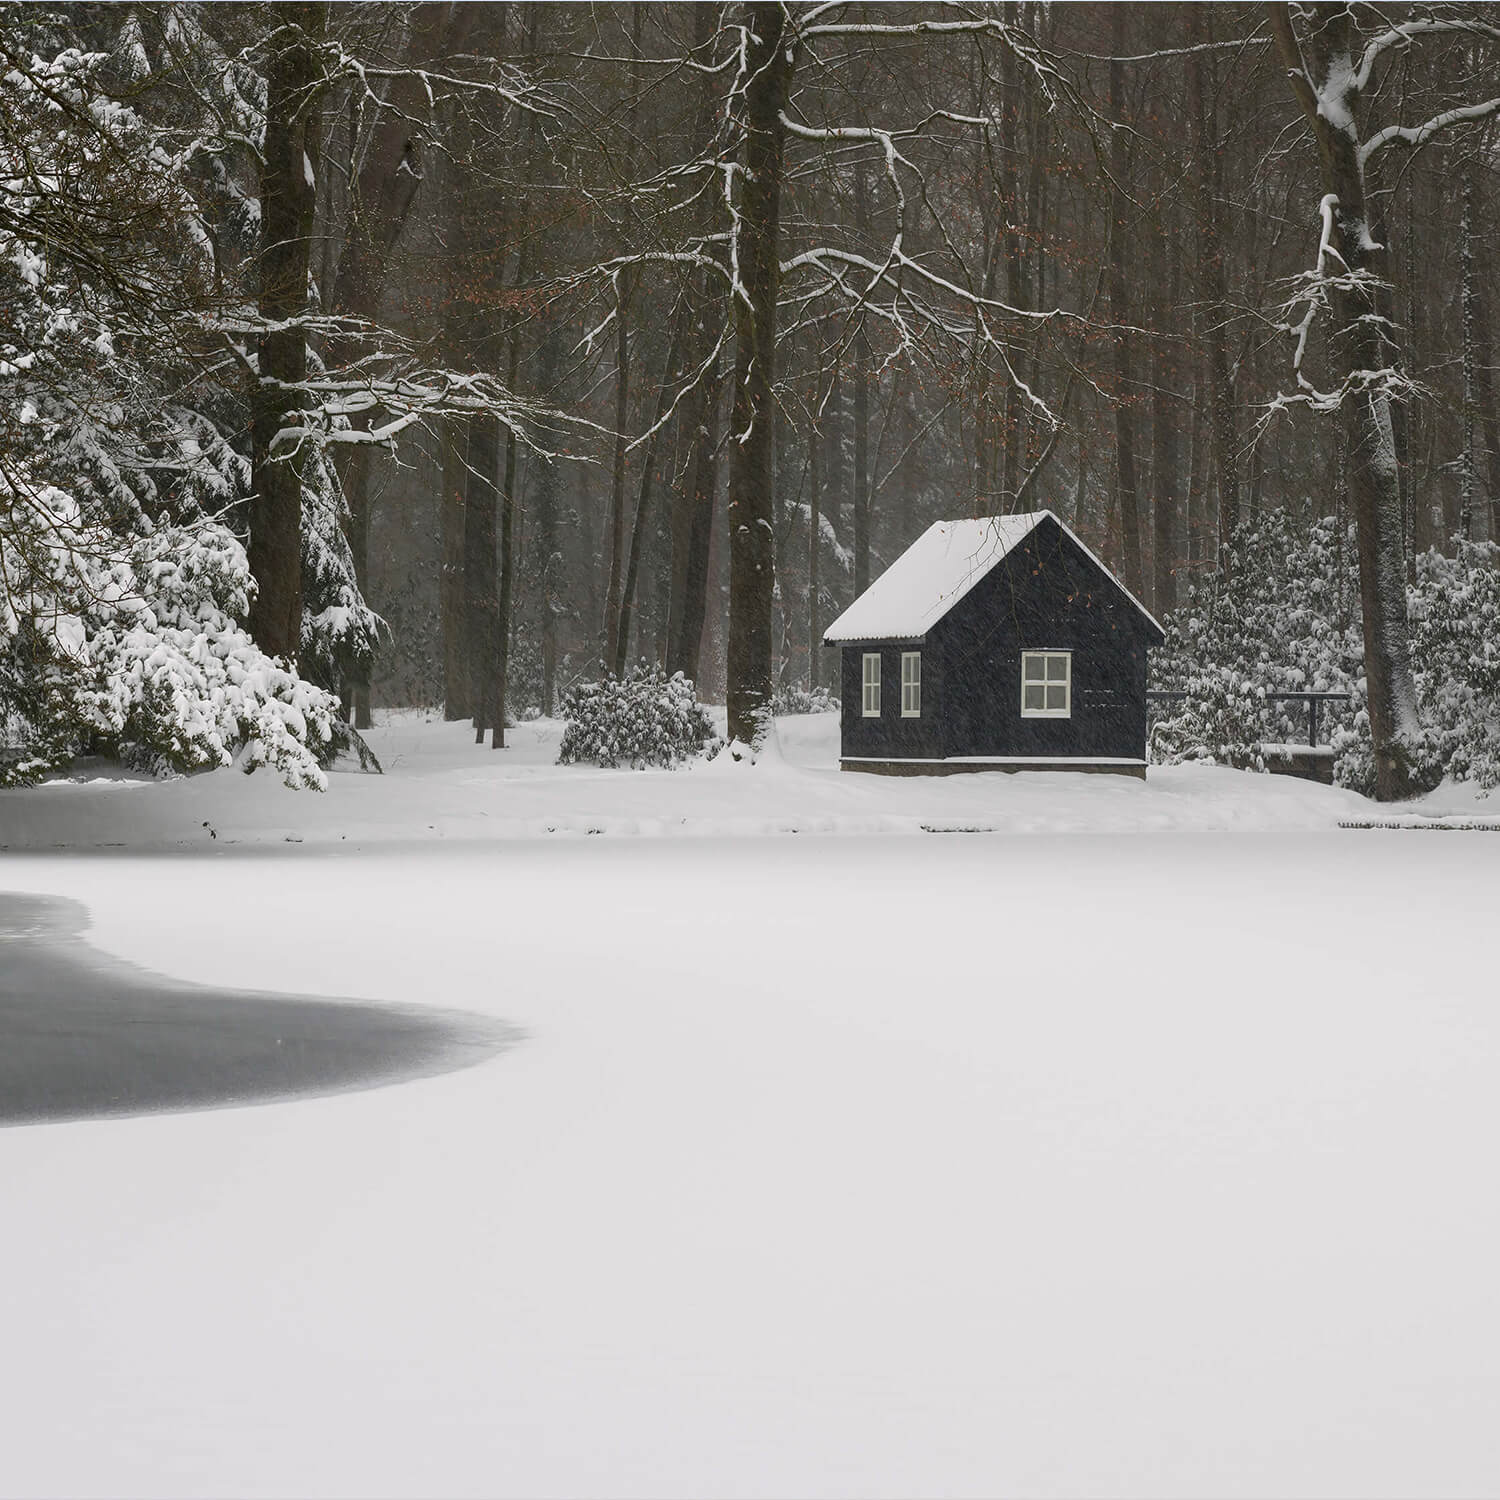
x=1048 y=593
x=890 y=734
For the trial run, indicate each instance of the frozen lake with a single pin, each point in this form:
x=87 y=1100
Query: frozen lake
x=826 y=1165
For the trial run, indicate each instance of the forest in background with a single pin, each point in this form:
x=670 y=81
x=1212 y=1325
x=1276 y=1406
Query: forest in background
x=454 y=354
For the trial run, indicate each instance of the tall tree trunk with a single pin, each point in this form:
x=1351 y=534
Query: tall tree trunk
x=1166 y=505
x=381 y=197
x=506 y=592
x=814 y=547
x=481 y=605
x=454 y=438
x=643 y=494
x=752 y=468
x=1208 y=187
x=1015 y=289
x=692 y=530
x=1197 y=469
x=617 y=472
x=1473 y=518
x=1489 y=411
x=1126 y=491
x=833 y=471
x=545 y=508
x=861 y=496
x=288 y=195
x=1374 y=481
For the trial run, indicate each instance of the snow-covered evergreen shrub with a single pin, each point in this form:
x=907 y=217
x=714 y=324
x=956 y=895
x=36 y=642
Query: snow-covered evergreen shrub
x=642 y=719
x=1454 y=609
x=1289 y=621
x=797 y=699
x=121 y=584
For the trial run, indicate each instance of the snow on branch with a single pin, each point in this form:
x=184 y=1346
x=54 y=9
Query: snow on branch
x=1419 y=135
x=1402 y=34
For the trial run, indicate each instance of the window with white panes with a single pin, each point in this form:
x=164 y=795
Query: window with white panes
x=871 y=700
x=911 y=684
x=1046 y=684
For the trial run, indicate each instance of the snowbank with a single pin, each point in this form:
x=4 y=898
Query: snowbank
x=439 y=786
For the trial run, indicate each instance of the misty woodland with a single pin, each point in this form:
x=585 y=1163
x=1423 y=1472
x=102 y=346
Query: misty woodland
x=494 y=356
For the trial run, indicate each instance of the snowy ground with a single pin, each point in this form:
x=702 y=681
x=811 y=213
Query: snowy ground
x=828 y=1165
x=439 y=786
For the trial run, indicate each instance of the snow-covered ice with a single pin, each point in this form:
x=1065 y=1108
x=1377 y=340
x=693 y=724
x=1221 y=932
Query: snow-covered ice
x=828 y=1164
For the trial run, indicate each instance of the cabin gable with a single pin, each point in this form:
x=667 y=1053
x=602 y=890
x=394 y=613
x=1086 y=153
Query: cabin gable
x=1047 y=595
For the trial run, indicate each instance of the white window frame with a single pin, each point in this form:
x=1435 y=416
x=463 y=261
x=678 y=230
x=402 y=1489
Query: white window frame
x=870 y=686
x=1047 y=681
x=911 y=684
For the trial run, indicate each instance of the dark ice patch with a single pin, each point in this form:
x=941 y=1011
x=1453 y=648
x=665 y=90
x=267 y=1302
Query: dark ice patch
x=85 y=1036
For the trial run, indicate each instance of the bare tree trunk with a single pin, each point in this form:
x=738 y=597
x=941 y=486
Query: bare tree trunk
x=1208 y=188
x=1374 y=481
x=643 y=494
x=1489 y=411
x=545 y=508
x=1127 y=493
x=617 y=472
x=451 y=602
x=861 y=496
x=1015 y=289
x=381 y=198
x=506 y=592
x=1473 y=518
x=481 y=606
x=833 y=470
x=752 y=467
x=1166 y=504
x=288 y=210
x=692 y=532
x=814 y=547
x=1197 y=523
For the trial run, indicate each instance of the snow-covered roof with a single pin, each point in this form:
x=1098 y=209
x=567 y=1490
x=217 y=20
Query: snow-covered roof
x=936 y=571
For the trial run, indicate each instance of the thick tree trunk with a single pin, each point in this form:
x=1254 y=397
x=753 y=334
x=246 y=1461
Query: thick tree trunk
x=1126 y=490
x=288 y=194
x=752 y=468
x=481 y=607
x=454 y=437
x=1374 y=479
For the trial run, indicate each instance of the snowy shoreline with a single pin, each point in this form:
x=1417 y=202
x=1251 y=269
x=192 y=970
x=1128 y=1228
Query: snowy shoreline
x=441 y=789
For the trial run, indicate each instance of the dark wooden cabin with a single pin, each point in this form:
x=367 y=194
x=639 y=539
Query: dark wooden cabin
x=1000 y=643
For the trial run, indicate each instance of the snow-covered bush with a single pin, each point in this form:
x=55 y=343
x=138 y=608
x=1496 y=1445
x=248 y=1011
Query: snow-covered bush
x=1289 y=621
x=797 y=699
x=642 y=719
x=1454 y=609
